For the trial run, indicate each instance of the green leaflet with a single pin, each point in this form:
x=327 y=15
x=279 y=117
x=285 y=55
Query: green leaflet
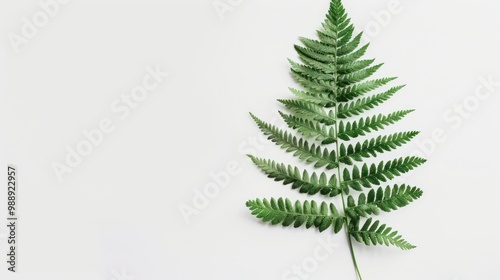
x=282 y=211
x=358 y=106
x=310 y=110
x=375 y=174
x=310 y=184
x=379 y=234
x=322 y=133
x=370 y=148
x=300 y=147
x=386 y=200
x=327 y=115
x=353 y=129
x=349 y=93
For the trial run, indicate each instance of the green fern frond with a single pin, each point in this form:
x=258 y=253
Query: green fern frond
x=352 y=129
x=351 y=46
x=370 y=148
x=354 y=108
x=381 y=199
x=345 y=80
x=350 y=58
x=305 y=183
x=354 y=66
x=309 y=110
x=316 y=55
x=320 y=99
x=379 y=234
x=322 y=86
x=336 y=84
x=375 y=174
x=349 y=93
x=346 y=34
x=327 y=37
x=324 y=67
x=310 y=72
x=308 y=128
x=301 y=148
x=297 y=214
x=318 y=46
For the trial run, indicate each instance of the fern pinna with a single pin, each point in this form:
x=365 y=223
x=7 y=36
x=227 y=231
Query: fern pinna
x=327 y=118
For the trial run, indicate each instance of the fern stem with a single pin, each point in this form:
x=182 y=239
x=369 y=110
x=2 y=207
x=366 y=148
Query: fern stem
x=352 y=254
x=349 y=238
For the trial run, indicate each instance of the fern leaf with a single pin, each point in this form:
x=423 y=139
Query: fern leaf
x=370 y=148
x=282 y=211
x=312 y=54
x=355 y=77
x=305 y=183
x=312 y=84
x=335 y=85
x=349 y=93
x=379 y=234
x=350 y=58
x=348 y=130
x=324 y=67
x=301 y=148
x=375 y=174
x=310 y=72
x=351 y=46
x=381 y=199
x=319 y=46
x=327 y=37
x=359 y=106
x=345 y=34
x=310 y=128
x=354 y=66
x=320 y=99
x=310 y=110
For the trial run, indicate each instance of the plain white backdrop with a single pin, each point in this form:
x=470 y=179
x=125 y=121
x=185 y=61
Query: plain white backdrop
x=116 y=214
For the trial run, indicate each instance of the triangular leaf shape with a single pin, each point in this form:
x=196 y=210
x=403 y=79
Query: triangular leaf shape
x=327 y=116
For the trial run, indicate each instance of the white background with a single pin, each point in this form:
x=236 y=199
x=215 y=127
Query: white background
x=118 y=213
